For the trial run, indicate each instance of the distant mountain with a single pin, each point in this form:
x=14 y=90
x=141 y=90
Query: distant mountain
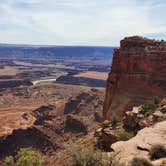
x=26 y=51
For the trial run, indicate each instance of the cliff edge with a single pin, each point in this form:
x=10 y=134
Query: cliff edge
x=138 y=73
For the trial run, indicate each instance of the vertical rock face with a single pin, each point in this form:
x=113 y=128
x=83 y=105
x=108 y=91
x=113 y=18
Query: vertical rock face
x=138 y=73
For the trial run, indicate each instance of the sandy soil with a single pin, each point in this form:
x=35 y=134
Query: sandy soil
x=9 y=71
x=14 y=120
x=93 y=74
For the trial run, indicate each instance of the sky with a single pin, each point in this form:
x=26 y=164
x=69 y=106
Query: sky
x=80 y=22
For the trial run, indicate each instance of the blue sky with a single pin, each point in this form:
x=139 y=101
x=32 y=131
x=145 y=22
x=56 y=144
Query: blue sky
x=80 y=22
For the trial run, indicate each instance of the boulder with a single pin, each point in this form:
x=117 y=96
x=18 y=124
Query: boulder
x=140 y=145
x=162 y=106
x=131 y=120
x=105 y=136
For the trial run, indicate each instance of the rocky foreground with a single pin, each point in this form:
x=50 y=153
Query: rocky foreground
x=141 y=144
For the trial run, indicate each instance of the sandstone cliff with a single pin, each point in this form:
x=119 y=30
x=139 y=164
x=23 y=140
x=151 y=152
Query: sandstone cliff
x=138 y=73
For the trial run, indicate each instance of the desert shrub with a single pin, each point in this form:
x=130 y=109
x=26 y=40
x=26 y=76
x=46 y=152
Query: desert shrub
x=124 y=135
x=139 y=161
x=156 y=100
x=115 y=119
x=89 y=156
x=9 y=161
x=28 y=157
x=157 y=152
x=148 y=107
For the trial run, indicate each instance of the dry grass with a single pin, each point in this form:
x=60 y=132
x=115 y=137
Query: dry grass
x=89 y=156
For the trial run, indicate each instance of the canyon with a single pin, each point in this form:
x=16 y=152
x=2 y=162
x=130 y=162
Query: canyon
x=46 y=110
x=47 y=117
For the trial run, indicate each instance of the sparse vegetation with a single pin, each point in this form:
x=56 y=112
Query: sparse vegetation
x=89 y=156
x=124 y=135
x=26 y=157
x=9 y=161
x=149 y=106
x=156 y=100
x=115 y=120
x=157 y=152
x=139 y=161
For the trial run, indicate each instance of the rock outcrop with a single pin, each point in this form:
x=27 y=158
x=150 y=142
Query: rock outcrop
x=23 y=138
x=138 y=72
x=105 y=136
x=75 y=124
x=136 y=120
x=84 y=103
x=140 y=145
x=42 y=114
x=11 y=121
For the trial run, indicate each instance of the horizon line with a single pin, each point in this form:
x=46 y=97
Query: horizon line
x=52 y=45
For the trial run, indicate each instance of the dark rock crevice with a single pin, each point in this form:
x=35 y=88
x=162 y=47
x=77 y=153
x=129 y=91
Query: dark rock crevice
x=28 y=138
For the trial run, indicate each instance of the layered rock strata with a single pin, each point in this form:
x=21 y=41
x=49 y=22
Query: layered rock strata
x=138 y=73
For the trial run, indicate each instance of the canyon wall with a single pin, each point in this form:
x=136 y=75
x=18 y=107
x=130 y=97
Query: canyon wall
x=138 y=73
x=4 y=84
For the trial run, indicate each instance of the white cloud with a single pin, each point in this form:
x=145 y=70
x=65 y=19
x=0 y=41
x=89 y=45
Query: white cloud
x=80 y=22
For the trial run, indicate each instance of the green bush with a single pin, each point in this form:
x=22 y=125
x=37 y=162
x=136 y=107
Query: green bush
x=115 y=119
x=124 y=136
x=26 y=157
x=156 y=100
x=148 y=107
x=139 y=161
x=157 y=152
x=88 y=156
x=9 y=161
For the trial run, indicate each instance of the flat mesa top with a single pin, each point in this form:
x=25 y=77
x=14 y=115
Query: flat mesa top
x=142 y=43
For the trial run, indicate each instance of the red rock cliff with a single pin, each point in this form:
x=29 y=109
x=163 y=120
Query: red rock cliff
x=138 y=72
